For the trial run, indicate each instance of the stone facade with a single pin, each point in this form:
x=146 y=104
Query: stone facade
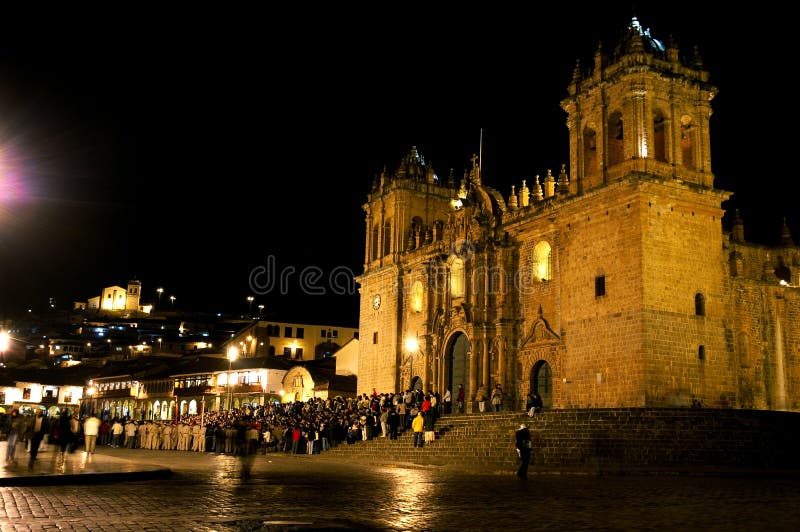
x=613 y=286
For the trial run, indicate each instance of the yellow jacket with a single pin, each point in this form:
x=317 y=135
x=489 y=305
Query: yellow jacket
x=418 y=423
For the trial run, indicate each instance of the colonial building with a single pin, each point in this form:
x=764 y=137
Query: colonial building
x=611 y=283
x=116 y=298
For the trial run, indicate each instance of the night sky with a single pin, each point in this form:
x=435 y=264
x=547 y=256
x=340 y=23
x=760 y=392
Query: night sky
x=189 y=148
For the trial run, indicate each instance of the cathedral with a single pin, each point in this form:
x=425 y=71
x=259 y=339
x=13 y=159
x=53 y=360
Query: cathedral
x=608 y=283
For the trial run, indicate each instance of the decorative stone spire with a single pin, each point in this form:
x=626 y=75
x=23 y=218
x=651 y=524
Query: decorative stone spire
x=451 y=180
x=636 y=44
x=563 y=180
x=577 y=76
x=475 y=173
x=524 y=195
x=537 y=190
x=512 y=200
x=598 y=60
x=737 y=228
x=549 y=184
x=672 y=49
x=786 y=235
x=697 y=61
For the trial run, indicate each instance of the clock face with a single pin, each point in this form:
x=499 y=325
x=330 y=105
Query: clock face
x=376 y=301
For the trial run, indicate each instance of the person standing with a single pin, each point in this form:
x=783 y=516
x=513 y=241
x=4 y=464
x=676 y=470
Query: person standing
x=448 y=402
x=536 y=404
x=116 y=432
x=39 y=425
x=460 y=399
x=418 y=427
x=91 y=429
x=524 y=449
x=497 y=397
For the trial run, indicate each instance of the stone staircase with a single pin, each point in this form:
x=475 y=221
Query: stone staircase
x=480 y=442
x=600 y=441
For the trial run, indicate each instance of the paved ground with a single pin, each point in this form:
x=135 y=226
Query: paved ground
x=207 y=492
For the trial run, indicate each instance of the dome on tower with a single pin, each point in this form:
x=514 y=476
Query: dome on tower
x=636 y=38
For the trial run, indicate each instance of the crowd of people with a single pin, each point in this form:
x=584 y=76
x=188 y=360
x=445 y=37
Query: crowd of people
x=308 y=427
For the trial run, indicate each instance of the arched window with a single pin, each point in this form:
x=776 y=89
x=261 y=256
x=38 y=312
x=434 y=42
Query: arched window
x=589 y=153
x=615 y=139
x=659 y=137
x=688 y=142
x=387 y=238
x=699 y=304
x=375 y=243
x=417 y=296
x=542 y=262
x=457 y=278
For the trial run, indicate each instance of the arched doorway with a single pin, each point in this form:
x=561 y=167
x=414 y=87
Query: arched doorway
x=542 y=382
x=416 y=384
x=457 y=362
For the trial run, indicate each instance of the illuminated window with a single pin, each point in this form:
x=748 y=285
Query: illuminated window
x=417 y=296
x=457 y=278
x=542 y=262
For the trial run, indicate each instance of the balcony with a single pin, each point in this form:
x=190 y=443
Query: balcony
x=194 y=390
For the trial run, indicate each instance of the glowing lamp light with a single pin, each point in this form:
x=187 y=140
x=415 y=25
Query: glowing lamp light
x=233 y=353
x=412 y=344
x=4 y=340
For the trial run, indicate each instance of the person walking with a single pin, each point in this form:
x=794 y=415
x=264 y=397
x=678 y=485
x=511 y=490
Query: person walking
x=15 y=427
x=91 y=430
x=38 y=427
x=524 y=450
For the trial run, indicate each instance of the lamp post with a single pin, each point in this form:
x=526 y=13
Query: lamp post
x=233 y=353
x=172 y=302
x=158 y=303
x=250 y=300
x=260 y=310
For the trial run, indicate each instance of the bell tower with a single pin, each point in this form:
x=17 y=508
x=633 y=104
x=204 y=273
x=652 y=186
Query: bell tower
x=134 y=294
x=642 y=108
x=406 y=213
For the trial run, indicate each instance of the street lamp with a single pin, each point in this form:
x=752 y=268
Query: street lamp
x=412 y=346
x=158 y=303
x=233 y=353
x=4 y=342
x=250 y=300
x=172 y=302
x=260 y=310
